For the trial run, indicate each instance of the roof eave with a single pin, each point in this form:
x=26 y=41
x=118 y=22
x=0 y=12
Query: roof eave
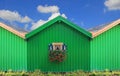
x=22 y=35
x=85 y=32
x=109 y=26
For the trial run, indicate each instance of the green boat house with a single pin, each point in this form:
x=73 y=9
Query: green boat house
x=60 y=46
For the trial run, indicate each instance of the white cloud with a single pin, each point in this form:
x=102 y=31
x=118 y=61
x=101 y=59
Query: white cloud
x=63 y=15
x=37 y=24
x=53 y=16
x=25 y=19
x=13 y=16
x=112 y=4
x=54 y=10
x=41 y=22
x=48 y=9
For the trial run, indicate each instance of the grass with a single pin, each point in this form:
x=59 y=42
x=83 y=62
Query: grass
x=77 y=73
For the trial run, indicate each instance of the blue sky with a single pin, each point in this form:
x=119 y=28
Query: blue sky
x=33 y=13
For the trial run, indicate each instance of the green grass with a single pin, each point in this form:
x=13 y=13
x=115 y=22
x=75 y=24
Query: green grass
x=77 y=73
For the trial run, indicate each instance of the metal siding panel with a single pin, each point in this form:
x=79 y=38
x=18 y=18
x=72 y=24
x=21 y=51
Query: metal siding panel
x=78 y=47
x=105 y=50
x=13 y=51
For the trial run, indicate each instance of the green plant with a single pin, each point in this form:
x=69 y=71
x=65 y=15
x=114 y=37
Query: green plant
x=37 y=73
x=75 y=73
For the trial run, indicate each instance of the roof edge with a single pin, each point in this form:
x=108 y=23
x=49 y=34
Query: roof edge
x=22 y=35
x=58 y=19
x=109 y=26
x=82 y=30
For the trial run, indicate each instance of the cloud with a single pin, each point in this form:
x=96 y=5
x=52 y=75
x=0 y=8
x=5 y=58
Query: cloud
x=25 y=19
x=63 y=15
x=54 y=10
x=112 y=4
x=48 y=9
x=41 y=22
x=37 y=24
x=55 y=15
x=13 y=16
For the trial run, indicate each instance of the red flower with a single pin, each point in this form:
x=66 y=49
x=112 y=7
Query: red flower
x=57 y=56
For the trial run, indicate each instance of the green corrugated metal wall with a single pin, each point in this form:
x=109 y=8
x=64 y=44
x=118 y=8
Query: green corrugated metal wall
x=83 y=53
x=105 y=50
x=78 y=49
x=13 y=51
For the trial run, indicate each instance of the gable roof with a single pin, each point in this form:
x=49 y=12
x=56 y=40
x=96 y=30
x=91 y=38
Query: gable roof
x=91 y=33
x=10 y=29
x=104 y=28
x=58 y=19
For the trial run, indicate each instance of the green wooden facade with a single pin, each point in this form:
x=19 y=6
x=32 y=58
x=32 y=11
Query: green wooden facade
x=38 y=49
x=83 y=51
x=105 y=50
x=13 y=51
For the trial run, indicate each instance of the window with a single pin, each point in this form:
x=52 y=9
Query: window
x=57 y=46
